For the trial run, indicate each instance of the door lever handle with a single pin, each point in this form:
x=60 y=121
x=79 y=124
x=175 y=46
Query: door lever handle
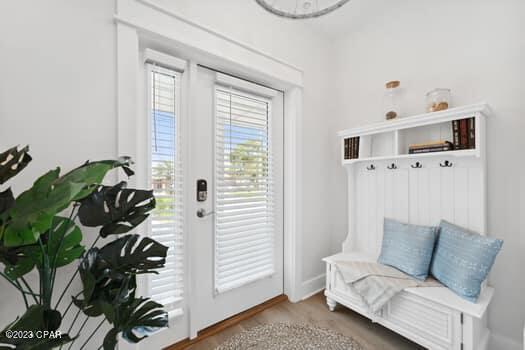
x=201 y=213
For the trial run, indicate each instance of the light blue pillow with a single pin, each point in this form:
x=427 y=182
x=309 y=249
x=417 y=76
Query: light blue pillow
x=462 y=259
x=408 y=247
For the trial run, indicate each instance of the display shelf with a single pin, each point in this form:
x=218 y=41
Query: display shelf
x=457 y=153
x=390 y=140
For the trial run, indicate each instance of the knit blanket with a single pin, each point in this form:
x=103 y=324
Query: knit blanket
x=377 y=283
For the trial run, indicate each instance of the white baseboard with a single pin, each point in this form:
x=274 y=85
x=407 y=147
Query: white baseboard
x=499 y=342
x=313 y=286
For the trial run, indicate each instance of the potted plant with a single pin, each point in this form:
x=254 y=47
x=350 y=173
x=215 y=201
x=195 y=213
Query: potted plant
x=36 y=235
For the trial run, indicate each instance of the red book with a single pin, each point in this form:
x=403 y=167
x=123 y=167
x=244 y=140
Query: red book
x=463 y=133
x=471 y=133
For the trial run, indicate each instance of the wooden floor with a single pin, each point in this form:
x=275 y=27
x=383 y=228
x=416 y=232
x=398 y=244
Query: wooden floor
x=314 y=311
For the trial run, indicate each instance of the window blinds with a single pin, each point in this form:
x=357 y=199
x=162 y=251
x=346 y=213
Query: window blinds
x=244 y=229
x=167 y=182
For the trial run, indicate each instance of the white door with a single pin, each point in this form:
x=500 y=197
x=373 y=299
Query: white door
x=236 y=146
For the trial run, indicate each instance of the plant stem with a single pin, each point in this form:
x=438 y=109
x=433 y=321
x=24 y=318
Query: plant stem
x=45 y=278
x=93 y=333
x=10 y=281
x=74 y=321
x=78 y=333
x=70 y=304
x=54 y=260
x=23 y=294
x=17 y=285
x=72 y=324
x=75 y=274
x=29 y=289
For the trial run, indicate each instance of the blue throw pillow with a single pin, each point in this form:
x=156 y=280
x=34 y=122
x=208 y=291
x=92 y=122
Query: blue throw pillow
x=408 y=247
x=462 y=259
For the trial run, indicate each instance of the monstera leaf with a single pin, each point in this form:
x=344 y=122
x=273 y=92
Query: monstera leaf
x=36 y=319
x=32 y=212
x=61 y=243
x=108 y=274
x=137 y=316
x=6 y=201
x=12 y=162
x=91 y=174
x=116 y=209
x=125 y=255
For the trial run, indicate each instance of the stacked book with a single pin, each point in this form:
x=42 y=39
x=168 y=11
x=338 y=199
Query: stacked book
x=352 y=148
x=439 y=146
x=464 y=133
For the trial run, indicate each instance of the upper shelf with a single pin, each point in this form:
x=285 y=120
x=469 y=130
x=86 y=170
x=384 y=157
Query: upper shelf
x=458 y=153
x=417 y=120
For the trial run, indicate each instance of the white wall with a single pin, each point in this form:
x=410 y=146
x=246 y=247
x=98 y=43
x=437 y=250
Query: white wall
x=476 y=48
x=57 y=94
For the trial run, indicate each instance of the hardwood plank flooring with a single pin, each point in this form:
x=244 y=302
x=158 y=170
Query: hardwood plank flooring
x=314 y=311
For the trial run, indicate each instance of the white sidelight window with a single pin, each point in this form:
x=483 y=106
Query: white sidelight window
x=166 y=179
x=244 y=198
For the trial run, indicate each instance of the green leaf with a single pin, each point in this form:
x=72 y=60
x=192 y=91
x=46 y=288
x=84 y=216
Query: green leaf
x=24 y=264
x=6 y=201
x=64 y=242
x=92 y=174
x=109 y=273
x=12 y=162
x=110 y=340
x=117 y=209
x=134 y=320
x=125 y=255
x=102 y=285
x=36 y=318
x=33 y=211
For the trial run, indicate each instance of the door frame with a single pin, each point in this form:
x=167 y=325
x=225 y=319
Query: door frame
x=142 y=24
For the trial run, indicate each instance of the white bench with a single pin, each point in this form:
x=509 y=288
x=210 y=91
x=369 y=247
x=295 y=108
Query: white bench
x=433 y=317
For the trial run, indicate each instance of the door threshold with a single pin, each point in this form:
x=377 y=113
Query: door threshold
x=229 y=322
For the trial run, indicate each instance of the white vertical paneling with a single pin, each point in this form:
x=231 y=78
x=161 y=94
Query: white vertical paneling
x=475 y=200
x=423 y=197
x=372 y=210
x=388 y=209
x=380 y=209
x=401 y=195
x=460 y=196
x=413 y=195
x=365 y=200
x=447 y=194
x=434 y=195
x=361 y=208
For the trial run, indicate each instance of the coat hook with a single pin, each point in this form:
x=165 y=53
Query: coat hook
x=417 y=165
x=392 y=167
x=446 y=164
x=371 y=167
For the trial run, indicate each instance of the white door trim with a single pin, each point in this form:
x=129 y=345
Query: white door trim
x=134 y=23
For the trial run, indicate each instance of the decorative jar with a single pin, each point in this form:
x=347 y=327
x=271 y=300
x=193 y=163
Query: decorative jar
x=438 y=100
x=391 y=103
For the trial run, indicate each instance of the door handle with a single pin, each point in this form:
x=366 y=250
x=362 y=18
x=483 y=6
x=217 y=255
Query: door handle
x=201 y=213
